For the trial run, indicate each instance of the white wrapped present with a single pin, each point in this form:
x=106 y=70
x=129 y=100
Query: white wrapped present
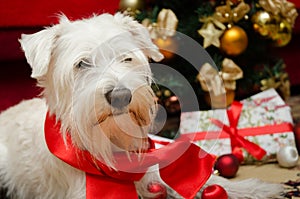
x=263 y=119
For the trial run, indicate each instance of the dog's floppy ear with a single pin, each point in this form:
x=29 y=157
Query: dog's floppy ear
x=141 y=35
x=37 y=48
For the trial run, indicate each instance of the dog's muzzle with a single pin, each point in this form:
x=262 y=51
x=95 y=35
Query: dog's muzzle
x=119 y=97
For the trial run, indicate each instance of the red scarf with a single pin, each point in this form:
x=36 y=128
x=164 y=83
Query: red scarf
x=182 y=165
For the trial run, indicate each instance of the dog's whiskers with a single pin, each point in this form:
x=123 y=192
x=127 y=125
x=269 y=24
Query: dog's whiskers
x=128 y=155
x=101 y=119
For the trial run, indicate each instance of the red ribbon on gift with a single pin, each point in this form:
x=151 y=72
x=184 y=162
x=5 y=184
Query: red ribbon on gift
x=182 y=165
x=238 y=141
x=237 y=135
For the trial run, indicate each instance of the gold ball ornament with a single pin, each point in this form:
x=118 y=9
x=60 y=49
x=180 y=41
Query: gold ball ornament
x=131 y=5
x=264 y=23
x=167 y=93
x=272 y=27
x=284 y=34
x=168 y=46
x=234 y=41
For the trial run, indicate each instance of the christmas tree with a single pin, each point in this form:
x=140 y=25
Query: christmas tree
x=235 y=33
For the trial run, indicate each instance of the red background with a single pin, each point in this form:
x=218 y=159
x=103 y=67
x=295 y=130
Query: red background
x=29 y=16
x=16 y=13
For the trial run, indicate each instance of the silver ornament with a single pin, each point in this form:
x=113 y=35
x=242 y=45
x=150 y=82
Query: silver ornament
x=287 y=156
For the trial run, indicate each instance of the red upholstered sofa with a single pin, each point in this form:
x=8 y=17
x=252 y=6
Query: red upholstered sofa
x=19 y=16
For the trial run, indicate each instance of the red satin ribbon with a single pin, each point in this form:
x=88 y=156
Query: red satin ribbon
x=237 y=141
x=237 y=135
x=182 y=165
x=249 y=131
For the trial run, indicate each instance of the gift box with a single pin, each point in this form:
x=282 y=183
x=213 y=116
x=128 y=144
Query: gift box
x=255 y=128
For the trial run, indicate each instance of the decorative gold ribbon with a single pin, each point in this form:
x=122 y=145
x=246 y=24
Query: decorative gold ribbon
x=280 y=7
x=225 y=14
x=213 y=81
x=230 y=73
x=210 y=80
x=164 y=27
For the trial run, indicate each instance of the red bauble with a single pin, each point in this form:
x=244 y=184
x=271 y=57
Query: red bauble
x=227 y=165
x=159 y=189
x=214 y=192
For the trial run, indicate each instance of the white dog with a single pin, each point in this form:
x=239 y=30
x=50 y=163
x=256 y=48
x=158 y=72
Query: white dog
x=96 y=82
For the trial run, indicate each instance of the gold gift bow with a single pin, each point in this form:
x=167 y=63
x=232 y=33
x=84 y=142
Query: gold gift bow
x=282 y=83
x=210 y=80
x=164 y=27
x=230 y=73
x=225 y=14
x=213 y=81
x=283 y=7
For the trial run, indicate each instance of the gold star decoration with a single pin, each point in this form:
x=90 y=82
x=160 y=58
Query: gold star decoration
x=211 y=35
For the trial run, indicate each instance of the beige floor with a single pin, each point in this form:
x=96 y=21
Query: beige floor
x=268 y=172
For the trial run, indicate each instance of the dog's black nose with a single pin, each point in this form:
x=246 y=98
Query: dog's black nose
x=118 y=97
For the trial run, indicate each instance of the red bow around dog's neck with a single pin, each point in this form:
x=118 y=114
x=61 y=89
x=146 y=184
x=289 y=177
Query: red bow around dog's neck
x=183 y=166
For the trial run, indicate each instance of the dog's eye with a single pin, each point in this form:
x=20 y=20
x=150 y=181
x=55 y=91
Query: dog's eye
x=128 y=59
x=83 y=64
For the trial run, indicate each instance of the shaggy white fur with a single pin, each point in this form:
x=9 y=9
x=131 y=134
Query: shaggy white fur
x=83 y=67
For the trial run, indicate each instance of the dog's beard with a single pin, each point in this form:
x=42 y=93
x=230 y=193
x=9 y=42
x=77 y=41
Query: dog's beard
x=128 y=128
x=125 y=132
x=105 y=131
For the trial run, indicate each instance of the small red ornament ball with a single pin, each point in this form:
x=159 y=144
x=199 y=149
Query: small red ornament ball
x=159 y=189
x=227 y=165
x=214 y=192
